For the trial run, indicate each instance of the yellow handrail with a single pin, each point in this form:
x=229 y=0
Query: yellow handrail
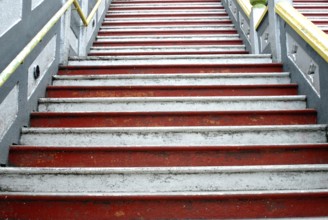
x=246 y=6
x=304 y=27
x=19 y=59
x=87 y=20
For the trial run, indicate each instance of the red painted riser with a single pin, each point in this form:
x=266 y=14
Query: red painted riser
x=159 y=119
x=308 y=14
x=320 y=22
x=166 y=53
x=164 y=207
x=171 y=32
x=199 y=15
x=162 y=91
x=173 y=23
x=171 y=69
x=33 y=156
x=161 y=2
x=312 y=7
x=165 y=8
x=304 y=1
x=167 y=43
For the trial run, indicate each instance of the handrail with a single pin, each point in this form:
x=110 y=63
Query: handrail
x=19 y=59
x=304 y=27
x=246 y=6
x=86 y=21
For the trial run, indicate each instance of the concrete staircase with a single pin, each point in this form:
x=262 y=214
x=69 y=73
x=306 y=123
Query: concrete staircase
x=168 y=118
x=315 y=11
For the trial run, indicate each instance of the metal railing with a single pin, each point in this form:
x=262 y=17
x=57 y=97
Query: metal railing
x=246 y=6
x=305 y=28
x=19 y=59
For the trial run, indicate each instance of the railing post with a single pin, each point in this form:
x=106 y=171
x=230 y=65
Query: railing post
x=65 y=25
x=83 y=31
x=274 y=35
x=256 y=13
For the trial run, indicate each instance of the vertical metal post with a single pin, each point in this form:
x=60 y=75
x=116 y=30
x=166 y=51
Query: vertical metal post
x=256 y=13
x=83 y=31
x=274 y=36
x=65 y=25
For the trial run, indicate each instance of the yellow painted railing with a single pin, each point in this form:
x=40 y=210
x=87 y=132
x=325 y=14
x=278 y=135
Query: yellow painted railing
x=246 y=6
x=19 y=59
x=304 y=27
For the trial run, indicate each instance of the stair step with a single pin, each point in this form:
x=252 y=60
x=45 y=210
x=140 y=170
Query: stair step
x=160 y=119
x=163 y=7
x=155 y=32
x=166 y=50
x=168 y=14
x=159 y=5
x=310 y=8
x=162 y=91
x=239 y=155
x=318 y=18
x=170 y=60
x=170 y=27
x=171 y=23
x=171 y=69
x=151 y=104
x=165 y=38
x=313 y=12
x=175 y=136
x=164 y=1
x=173 y=12
x=105 y=53
x=196 y=205
x=169 y=19
x=165 y=179
x=211 y=79
x=170 y=42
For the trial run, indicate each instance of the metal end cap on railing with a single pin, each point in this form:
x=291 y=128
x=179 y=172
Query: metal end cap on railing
x=258 y=3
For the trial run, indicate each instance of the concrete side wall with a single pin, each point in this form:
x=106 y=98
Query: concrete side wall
x=306 y=66
x=263 y=32
x=240 y=20
x=308 y=69
x=20 y=21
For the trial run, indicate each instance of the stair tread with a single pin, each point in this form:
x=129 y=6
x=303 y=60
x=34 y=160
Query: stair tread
x=170 y=37
x=166 y=179
x=187 y=129
x=166 y=170
x=54 y=114
x=172 y=19
x=210 y=75
x=177 y=195
x=122 y=99
x=159 y=27
x=170 y=60
x=169 y=148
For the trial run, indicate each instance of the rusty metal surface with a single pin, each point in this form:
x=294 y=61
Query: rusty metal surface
x=158 y=119
x=167 y=69
x=98 y=206
x=89 y=156
x=158 y=91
